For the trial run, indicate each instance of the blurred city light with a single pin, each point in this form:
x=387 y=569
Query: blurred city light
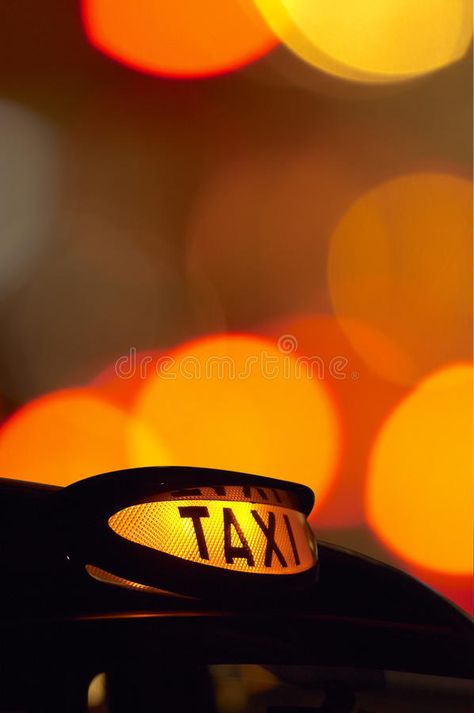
x=73 y=316
x=122 y=381
x=178 y=39
x=239 y=402
x=362 y=399
x=419 y=492
x=29 y=177
x=96 y=692
x=400 y=261
x=372 y=42
x=66 y=436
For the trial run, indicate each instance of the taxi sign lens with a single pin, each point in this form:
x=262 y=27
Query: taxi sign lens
x=251 y=537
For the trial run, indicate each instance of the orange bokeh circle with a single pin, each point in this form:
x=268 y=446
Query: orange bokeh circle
x=178 y=39
x=419 y=491
x=66 y=436
x=235 y=402
x=362 y=398
x=122 y=381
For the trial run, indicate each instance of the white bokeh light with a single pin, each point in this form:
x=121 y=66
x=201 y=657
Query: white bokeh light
x=29 y=172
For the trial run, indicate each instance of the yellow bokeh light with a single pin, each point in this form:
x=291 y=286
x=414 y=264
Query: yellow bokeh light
x=96 y=691
x=400 y=261
x=373 y=41
x=69 y=435
x=235 y=402
x=419 y=493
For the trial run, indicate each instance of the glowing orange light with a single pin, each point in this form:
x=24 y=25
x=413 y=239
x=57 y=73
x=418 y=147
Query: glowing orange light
x=373 y=42
x=363 y=402
x=67 y=436
x=122 y=381
x=419 y=493
x=185 y=38
x=241 y=536
x=237 y=403
x=400 y=261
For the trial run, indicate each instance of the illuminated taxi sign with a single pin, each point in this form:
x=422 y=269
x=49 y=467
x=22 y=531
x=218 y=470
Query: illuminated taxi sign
x=240 y=529
x=196 y=532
